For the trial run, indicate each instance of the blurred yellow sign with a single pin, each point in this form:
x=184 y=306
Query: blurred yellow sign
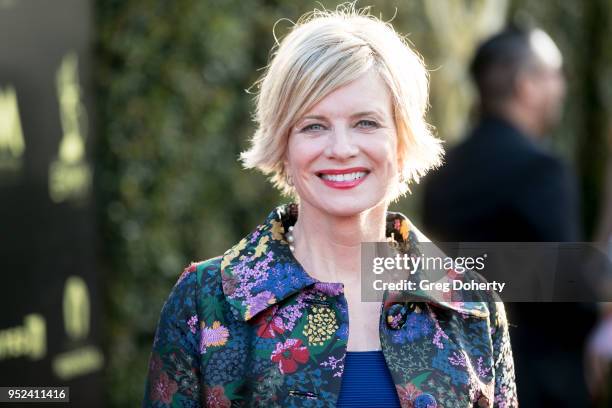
x=70 y=174
x=77 y=317
x=76 y=308
x=11 y=135
x=27 y=340
x=78 y=362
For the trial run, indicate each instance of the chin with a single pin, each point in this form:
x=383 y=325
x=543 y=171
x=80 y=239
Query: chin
x=348 y=206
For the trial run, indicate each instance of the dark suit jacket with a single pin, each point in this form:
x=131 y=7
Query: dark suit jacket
x=498 y=185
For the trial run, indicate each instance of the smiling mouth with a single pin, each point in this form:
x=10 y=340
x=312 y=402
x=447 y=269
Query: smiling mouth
x=344 y=177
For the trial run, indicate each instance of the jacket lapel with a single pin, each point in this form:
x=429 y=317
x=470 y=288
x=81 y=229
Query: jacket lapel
x=260 y=270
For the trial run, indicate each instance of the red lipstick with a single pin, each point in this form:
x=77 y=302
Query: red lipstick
x=343 y=178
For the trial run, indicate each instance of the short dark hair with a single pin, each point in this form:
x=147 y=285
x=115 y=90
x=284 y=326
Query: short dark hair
x=497 y=63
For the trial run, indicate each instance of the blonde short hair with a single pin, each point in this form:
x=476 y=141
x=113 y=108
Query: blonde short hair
x=324 y=51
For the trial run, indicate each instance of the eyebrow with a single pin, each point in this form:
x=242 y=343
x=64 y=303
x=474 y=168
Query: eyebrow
x=368 y=113
x=318 y=117
x=354 y=115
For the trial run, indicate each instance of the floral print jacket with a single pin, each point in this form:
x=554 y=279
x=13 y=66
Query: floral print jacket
x=251 y=328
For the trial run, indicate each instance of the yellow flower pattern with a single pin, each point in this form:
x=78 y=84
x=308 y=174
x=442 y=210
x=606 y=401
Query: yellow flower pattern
x=262 y=246
x=321 y=325
x=404 y=229
x=233 y=252
x=277 y=230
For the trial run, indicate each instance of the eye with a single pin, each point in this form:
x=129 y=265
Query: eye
x=314 y=127
x=367 y=124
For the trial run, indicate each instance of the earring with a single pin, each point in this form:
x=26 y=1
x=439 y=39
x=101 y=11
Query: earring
x=289 y=180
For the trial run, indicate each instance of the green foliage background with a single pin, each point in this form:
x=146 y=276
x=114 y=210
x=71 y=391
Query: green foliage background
x=173 y=115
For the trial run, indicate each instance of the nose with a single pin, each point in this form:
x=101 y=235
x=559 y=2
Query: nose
x=341 y=145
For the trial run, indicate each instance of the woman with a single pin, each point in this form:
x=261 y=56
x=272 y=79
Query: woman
x=341 y=127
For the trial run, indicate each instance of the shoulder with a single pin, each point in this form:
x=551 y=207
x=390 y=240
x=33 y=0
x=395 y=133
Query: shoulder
x=198 y=274
x=205 y=278
x=545 y=174
x=198 y=287
x=196 y=301
x=497 y=314
x=542 y=162
x=415 y=233
x=481 y=304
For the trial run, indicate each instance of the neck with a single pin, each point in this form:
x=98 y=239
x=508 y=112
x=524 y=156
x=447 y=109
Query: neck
x=329 y=247
x=523 y=119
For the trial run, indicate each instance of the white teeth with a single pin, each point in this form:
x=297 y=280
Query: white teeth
x=344 y=177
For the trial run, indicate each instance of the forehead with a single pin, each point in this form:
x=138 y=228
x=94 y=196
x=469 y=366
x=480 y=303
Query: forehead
x=367 y=93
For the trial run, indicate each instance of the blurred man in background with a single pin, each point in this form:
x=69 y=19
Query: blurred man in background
x=501 y=185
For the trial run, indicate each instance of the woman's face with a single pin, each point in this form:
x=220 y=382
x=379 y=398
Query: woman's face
x=342 y=154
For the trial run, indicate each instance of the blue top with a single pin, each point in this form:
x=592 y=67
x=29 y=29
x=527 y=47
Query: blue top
x=367 y=382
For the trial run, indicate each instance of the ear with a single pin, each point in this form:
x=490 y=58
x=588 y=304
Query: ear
x=526 y=88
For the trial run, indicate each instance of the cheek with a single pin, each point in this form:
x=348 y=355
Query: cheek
x=555 y=89
x=300 y=154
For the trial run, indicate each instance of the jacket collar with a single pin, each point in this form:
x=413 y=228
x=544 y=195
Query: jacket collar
x=260 y=270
